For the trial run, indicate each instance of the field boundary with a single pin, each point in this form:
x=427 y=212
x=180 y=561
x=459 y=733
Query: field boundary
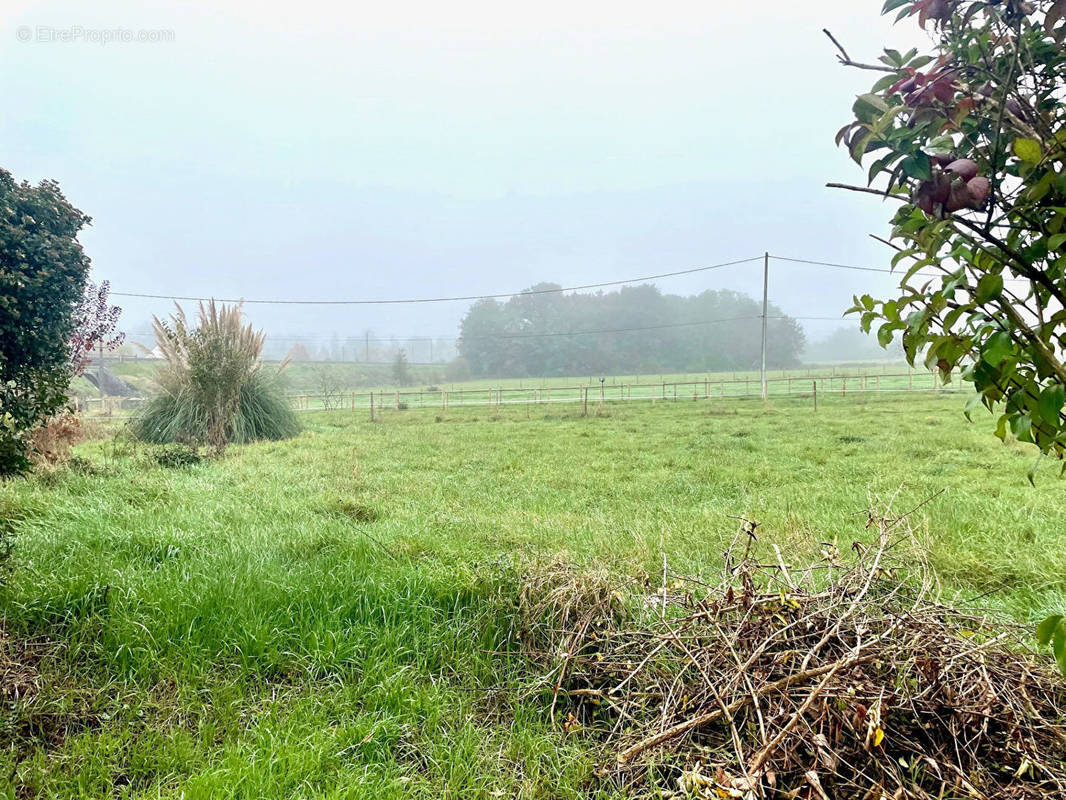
x=670 y=391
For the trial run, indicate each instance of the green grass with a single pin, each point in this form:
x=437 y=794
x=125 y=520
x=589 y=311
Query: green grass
x=333 y=616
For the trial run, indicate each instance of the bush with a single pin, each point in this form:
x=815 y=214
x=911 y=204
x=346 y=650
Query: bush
x=41 y=284
x=176 y=456
x=49 y=444
x=213 y=389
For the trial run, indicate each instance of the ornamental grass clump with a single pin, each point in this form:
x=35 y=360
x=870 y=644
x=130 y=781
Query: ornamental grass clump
x=213 y=389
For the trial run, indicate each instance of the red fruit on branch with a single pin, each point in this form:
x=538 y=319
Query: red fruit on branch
x=932 y=193
x=980 y=188
x=965 y=168
x=959 y=198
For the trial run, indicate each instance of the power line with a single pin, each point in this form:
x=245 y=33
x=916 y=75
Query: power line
x=444 y=299
x=868 y=269
x=829 y=264
x=401 y=339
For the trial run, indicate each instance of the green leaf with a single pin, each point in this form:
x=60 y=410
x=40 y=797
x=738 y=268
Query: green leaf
x=1051 y=401
x=892 y=5
x=989 y=287
x=997 y=347
x=1046 y=628
x=918 y=166
x=1001 y=427
x=1056 y=241
x=885 y=82
x=858 y=147
x=1028 y=150
x=1058 y=646
x=884 y=334
x=869 y=104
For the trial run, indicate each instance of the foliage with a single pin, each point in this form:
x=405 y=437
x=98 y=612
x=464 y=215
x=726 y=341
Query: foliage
x=522 y=336
x=95 y=327
x=329 y=385
x=401 y=370
x=42 y=280
x=50 y=442
x=1052 y=631
x=971 y=137
x=176 y=456
x=213 y=389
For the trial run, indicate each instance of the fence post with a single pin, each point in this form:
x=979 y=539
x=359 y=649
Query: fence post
x=586 y=394
x=814 y=386
x=444 y=399
x=371 y=406
x=397 y=401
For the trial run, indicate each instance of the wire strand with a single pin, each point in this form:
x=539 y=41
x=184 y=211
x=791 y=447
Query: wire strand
x=443 y=299
x=400 y=339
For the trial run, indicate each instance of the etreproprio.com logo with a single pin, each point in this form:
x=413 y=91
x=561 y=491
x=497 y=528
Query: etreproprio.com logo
x=71 y=34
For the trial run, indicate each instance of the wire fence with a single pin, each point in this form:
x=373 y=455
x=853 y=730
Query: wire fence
x=671 y=391
x=838 y=383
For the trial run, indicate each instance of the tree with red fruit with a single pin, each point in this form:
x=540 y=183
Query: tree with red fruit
x=969 y=138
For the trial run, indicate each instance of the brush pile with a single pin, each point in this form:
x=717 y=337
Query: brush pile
x=849 y=678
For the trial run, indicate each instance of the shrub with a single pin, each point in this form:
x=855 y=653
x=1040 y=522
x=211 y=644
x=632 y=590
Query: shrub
x=50 y=443
x=41 y=284
x=176 y=456
x=213 y=390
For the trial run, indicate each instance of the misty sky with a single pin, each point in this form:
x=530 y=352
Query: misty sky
x=364 y=150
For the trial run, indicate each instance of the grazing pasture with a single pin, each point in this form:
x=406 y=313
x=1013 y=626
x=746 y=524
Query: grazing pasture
x=335 y=616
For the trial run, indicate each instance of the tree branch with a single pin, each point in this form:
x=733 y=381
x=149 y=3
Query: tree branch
x=867 y=190
x=845 y=59
x=1020 y=264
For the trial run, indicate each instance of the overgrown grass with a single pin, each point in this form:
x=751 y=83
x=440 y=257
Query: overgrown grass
x=333 y=615
x=175 y=416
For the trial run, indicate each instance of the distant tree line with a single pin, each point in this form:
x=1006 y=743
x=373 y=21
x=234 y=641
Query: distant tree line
x=555 y=334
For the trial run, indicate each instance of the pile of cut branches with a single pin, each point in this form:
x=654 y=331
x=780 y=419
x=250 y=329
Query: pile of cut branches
x=849 y=678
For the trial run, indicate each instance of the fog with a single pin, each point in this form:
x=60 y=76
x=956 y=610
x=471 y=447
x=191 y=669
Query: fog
x=355 y=151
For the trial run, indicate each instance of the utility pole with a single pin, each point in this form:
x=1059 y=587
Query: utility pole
x=765 y=281
x=366 y=348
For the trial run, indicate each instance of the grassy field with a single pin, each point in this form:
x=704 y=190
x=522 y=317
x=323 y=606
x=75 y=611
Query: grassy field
x=334 y=616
